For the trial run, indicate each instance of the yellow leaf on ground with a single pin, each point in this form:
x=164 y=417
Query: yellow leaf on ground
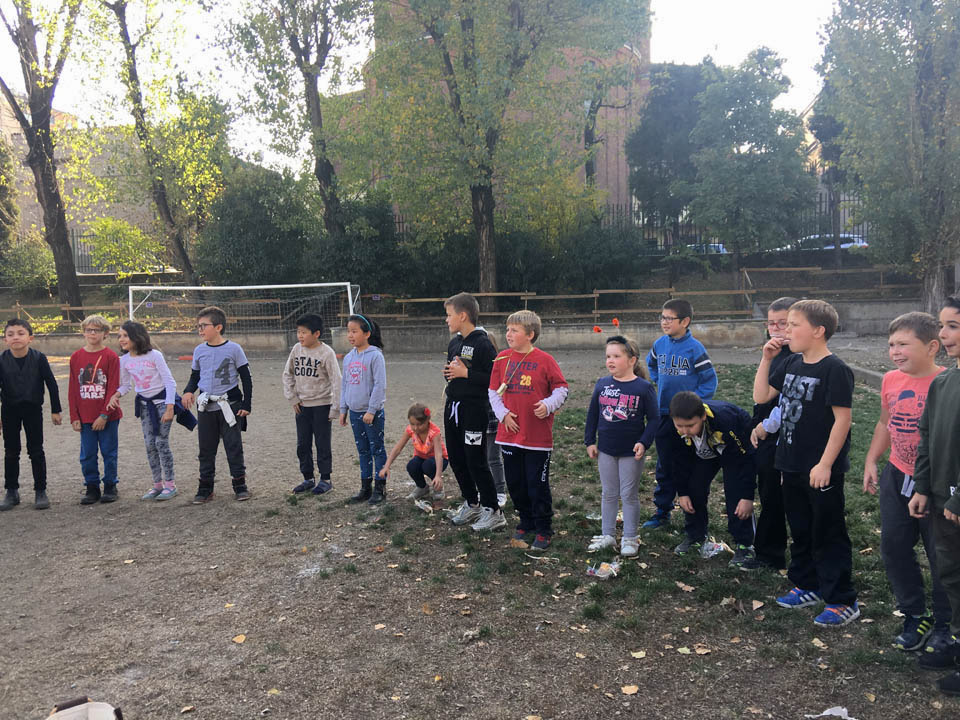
x=379 y=626
x=303 y=549
x=533 y=717
x=437 y=678
x=393 y=566
x=514 y=543
x=273 y=691
x=701 y=649
x=128 y=562
x=187 y=709
x=685 y=587
x=639 y=654
x=870 y=696
x=238 y=639
x=427 y=610
x=350 y=555
x=229 y=605
x=537 y=573
x=395 y=698
x=735 y=639
x=466 y=611
x=378 y=549
x=757 y=604
x=630 y=689
x=683 y=650
x=580 y=656
x=817 y=642
x=459 y=596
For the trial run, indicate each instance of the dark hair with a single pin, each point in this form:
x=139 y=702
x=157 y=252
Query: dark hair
x=465 y=302
x=17 y=322
x=632 y=350
x=368 y=326
x=819 y=313
x=139 y=336
x=312 y=322
x=921 y=324
x=419 y=412
x=686 y=405
x=216 y=316
x=681 y=307
x=952 y=301
x=781 y=304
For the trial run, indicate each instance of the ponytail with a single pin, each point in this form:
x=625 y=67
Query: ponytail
x=368 y=326
x=632 y=350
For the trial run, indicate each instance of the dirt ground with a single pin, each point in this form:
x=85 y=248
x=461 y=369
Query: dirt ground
x=347 y=613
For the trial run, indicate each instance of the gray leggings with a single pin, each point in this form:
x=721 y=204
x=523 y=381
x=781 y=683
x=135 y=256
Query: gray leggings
x=619 y=478
x=158 y=449
x=495 y=462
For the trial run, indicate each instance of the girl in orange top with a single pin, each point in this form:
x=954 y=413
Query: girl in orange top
x=429 y=454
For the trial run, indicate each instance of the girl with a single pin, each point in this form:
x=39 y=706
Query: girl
x=145 y=369
x=363 y=390
x=624 y=413
x=429 y=454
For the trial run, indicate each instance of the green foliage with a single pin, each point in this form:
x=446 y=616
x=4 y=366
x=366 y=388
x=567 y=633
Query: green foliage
x=28 y=266
x=9 y=211
x=117 y=246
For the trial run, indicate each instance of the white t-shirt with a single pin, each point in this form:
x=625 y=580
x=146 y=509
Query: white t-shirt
x=148 y=375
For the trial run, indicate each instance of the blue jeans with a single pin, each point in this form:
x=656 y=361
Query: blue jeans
x=369 y=439
x=106 y=441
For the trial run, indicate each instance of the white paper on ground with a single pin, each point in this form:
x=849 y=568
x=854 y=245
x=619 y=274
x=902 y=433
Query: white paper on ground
x=839 y=712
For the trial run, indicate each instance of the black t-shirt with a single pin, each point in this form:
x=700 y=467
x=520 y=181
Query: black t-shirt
x=807 y=394
x=767 y=448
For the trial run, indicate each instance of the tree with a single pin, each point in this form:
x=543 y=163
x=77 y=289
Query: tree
x=52 y=30
x=286 y=44
x=752 y=180
x=122 y=248
x=9 y=211
x=894 y=69
x=827 y=130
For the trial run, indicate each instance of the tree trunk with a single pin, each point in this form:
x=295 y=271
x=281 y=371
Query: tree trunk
x=322 y=167
x=481 y=197
x=933 y=289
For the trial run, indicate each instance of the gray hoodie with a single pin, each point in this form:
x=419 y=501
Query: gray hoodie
x=311 y=377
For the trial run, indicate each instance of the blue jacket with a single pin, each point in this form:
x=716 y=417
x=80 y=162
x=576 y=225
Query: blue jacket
x=677 y=365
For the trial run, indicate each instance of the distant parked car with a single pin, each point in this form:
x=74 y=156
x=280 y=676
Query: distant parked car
x=709 y=249
x=825 y=242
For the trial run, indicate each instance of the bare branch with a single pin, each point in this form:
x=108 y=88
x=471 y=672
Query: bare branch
x=15 y=107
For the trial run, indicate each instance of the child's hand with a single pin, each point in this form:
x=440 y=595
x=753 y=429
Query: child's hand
x=540 y=410
x=187 y=400
x=167 y=415
x=758 y=434
x=592 y=451
x=819 y=476
x=438 y=483
x=297 y=408
x=242 y=413
x=99 y=424
x=454 y=369
x=772 y=347
x=918 y=506
x=368 y=418
x=870 y=478
x=638 y=451
x=510 y=422
x=744 y=509
x=686 y=504
x=114 y=401
x=343 y=419
x=951 y=517
x=76 y=425
x=384 y=472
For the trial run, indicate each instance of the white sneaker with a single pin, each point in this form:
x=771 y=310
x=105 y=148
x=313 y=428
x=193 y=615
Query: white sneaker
x=629 y=546
x=599 y=542
x=501 y=499
x=466 y=513
x=490 y=519
x=419 y=492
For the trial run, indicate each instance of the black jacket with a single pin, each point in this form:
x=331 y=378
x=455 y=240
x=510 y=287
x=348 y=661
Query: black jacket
x=25 y=385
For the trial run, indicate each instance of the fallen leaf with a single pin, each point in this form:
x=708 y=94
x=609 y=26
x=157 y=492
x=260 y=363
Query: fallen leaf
x=867 y=620
x=398 y=634
x=685 y=587
x=395 y=698
x=379 y=626
x=760 y=617
x=350 y=555
x=683 y=650
x=735 y=639
x=303 y=549
x=701 y=649
x=239 y=639
x=229 y=605
x=579 y=591
x=757 y=604
x=639 y=654
x=537 y=573
x=686 y=629
x=459 y=596
x=393 y=566
x=427 y=610
x=728 y=601
x=514 y=543
x=630 y=689
x=937 y=704
x=580 y=656
x=823 y=666
x=870 y=696
x=273 y=691
x=187 y=709
x=533 y=717
x=754 y=711
x=867 y=551
x=129 y=562
x=437 y=678
x=466 y=611
x=817 y=642
x=643 y=566
x=378 y=549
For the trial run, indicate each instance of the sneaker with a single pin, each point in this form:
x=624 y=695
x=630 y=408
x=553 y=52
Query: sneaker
x=151 y=494
x=689 y=545
x=41 y=501
x=916 y=630
x=204 y=495
x=798 y=598
x=501 y=499
x=322 y=487
x=167 y=493
x=523 y=535
x=110 y=493
x=542 y=542
x=11 y=499
x=241 y=493
x=744 y=558
x=629 y=546
x=946 y=656
x=950 y=684
x=303 y=487
x=419 y=493
x=490 y=519
x=657 y=520
x=838 y=615
x=465 y=514
x=91 y=496
x=939 y=639
x=601 y=542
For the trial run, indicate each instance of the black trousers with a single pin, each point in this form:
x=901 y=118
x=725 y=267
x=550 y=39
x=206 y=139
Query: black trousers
x=30 y=418
x=946 y=535
x=528 y=480
x=821 y=555
x=423 y=470
x=313 y=428
x=465 y=429
x=212 y=427
x=695 y=523
x=770 y=542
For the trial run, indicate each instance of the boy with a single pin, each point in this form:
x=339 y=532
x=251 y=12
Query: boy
x=94 y=377
x=311 y=383
x=770 y=541
x=23 y=373
x=467 y=371
x=913 y=349
x=710 y=438
x=526 y=388
x=677 y=362
x=219 y=366
x=816 y=394
x=935 y=476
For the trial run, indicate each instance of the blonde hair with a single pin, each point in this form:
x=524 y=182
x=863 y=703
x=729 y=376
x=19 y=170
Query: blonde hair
x=819 y=313
x=632 y=349
x=98 y=321
x=528 y=320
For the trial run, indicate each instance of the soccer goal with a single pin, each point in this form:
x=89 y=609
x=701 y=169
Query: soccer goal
x=249 y=308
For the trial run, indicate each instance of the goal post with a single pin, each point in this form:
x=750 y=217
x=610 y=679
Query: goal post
x=249 y=308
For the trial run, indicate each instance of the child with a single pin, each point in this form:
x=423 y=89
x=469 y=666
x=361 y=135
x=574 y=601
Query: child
x=94 y=377
x=494 y=456
x=626 y=424
x=935 y=476
x=311 y=383
x=770 y=541
x=710 y=438
x=816 y=394
x=144 y=368
x=913 y=349
x=218 y=370
x=429 y=455
x=363 y=392
x=677 y=362
x=465 y=417
x=526 y=388
x=23 y=373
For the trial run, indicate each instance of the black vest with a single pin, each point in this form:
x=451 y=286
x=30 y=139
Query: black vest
x=21 y=385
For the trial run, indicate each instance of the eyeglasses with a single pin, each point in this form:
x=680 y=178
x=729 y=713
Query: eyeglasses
x=93 y=331
x=779 y=324
x=668 y=318
x=201 y=326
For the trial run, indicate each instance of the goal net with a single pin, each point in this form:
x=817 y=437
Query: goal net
x=249 y=308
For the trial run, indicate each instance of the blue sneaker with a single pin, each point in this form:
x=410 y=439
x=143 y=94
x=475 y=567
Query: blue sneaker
x=916 y=630
x=322 y=486
x=305 y=486
x=541 y=542
x=798 y=598
x=838 y=615
x=658 y=519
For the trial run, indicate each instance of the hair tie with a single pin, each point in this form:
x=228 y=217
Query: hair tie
x=369 y=324
x=426 y=412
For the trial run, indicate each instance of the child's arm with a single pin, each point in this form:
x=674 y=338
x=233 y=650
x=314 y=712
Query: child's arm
x=438 y=459
x=192 y=385
x=921 y=467
x=73 y=397
x=46 y=374
x=122 y=388
x=820 y=473
x=112 y=369
x=653 y=366
x=393 y=455
x=343 y=394
x=593 y=420
x=378 y=394
x=878 y=446
x=290 y=383
x=246 y=383
x=762 y=390
x=333 y=372
x=706 y=375
x=651 y=411
x=505 y=416
x=558 y=394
